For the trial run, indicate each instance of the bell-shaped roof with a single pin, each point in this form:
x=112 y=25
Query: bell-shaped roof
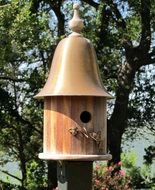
x=74 y=70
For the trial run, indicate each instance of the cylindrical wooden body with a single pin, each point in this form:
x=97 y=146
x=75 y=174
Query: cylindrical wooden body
x=84 y=115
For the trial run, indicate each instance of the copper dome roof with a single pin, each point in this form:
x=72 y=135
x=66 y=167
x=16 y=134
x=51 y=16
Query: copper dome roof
x=74 y=70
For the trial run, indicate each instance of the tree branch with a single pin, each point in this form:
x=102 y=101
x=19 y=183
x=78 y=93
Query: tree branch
x=147 y=59
x=6 y=5
x=92 y=3
x=60 y=16
x=120 y=22
x=102 y=28
x=21 y=154
x=152 y=53
x=11 y=79
x=11 y=175
x=28 y=123
x=152 y=61
x=145 y=26
x=56 y=7
x=35 y=6
x=119 y=18
x=14 y=112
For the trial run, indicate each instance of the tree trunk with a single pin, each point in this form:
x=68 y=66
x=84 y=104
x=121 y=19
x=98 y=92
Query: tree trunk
x=22 y=158
x=118 y=121
x=116 y=126
x=52 y=175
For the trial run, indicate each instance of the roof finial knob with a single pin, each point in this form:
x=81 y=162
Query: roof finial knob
x=76 y=23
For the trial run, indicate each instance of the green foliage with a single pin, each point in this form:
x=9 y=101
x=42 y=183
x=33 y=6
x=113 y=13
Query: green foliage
x=150 y=155
x=35 y=177
x=129 y=159
x=141 y=112
x=24 y=48
x=142 y=177
x=9 y=186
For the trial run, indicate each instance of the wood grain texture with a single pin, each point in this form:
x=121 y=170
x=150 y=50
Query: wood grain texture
x=62 y=113
x=100 y=120
x=47 y=124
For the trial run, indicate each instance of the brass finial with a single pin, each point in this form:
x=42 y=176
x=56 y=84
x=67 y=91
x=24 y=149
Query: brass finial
x=76 y=23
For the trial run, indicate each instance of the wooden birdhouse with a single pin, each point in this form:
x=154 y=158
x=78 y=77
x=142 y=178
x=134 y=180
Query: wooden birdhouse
x=75 y=125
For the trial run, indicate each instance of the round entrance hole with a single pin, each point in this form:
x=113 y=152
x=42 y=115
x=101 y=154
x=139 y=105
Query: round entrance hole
x=85 y=116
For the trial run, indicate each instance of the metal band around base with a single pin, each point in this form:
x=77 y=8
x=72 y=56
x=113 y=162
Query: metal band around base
x=74 y=157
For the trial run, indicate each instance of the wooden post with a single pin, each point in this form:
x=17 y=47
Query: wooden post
x=74 y=175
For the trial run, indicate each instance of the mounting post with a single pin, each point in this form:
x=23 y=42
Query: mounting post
x=74 y=175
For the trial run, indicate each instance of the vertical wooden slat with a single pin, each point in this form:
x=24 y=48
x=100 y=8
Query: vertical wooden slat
x=67 y=125
x=89 y=143
x=53 y=126
x=47 y=123
x=77 y=141
x=60 y=125
x=99 y=120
